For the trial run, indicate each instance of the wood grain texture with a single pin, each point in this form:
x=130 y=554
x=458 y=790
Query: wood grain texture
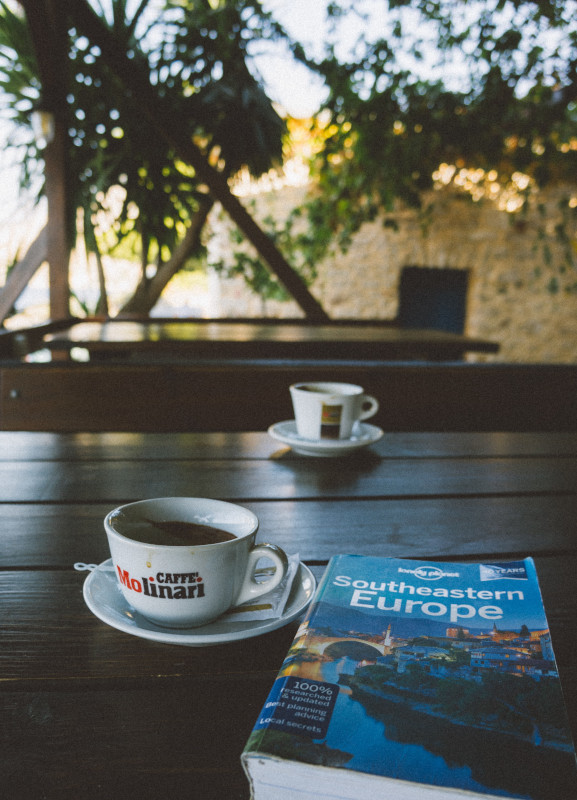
x=90 y=711
x=356 y=476
x=154 y=741
x=49 y=635
x=118 y=446
x=34 y=536
x=194 y=395
x=125 y=715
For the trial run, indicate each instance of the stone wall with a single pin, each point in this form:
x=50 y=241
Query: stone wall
x=517 y=295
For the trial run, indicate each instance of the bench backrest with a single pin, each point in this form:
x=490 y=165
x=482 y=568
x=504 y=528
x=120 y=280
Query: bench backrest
x=252 y=396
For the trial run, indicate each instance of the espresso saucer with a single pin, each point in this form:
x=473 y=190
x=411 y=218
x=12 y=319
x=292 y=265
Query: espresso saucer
x=104 y=598
x=363 y=435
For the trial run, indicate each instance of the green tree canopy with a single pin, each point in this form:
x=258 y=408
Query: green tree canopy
x=430 y=91
x=480 y=94
x=194 y=54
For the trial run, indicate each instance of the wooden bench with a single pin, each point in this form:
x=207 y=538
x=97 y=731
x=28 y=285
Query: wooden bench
x=242 y=396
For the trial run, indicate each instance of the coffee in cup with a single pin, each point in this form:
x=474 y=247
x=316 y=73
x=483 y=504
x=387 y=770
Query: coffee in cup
x=182 y=562
x=329 y=410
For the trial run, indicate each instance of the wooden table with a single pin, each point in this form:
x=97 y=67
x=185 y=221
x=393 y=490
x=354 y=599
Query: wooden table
x=219 y=339
x=90 y=712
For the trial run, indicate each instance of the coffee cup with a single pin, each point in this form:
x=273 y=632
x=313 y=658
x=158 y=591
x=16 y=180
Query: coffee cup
x=182 y=562
x=330 y=410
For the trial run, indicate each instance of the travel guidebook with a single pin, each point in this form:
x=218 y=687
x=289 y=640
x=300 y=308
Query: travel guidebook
x=417 y=680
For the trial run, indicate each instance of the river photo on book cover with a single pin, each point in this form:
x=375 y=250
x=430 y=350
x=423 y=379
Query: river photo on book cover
x=476 y=707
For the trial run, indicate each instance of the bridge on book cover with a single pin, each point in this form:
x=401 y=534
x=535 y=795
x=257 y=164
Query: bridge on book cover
x=351 y=647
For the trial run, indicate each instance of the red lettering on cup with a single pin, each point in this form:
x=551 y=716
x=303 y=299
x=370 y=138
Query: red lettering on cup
x=126 y=580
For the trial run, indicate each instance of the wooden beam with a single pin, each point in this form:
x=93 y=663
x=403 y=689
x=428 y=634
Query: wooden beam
x=22 y=273
x=58 y=217
x=163 y=121
x=50 y=39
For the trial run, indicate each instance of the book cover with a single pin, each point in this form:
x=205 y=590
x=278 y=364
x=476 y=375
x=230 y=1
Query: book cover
x=419 y=679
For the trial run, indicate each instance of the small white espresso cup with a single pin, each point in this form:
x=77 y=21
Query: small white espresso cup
x=329 y=410
x=182 y=562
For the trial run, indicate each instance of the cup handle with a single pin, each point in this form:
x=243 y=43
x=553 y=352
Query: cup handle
x=373 y=406
x=250 y=588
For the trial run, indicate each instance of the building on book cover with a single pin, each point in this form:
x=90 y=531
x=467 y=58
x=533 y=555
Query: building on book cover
x=438 y=677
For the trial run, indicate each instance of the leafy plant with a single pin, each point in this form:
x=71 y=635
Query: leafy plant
x=124 y=178
x=487 y=86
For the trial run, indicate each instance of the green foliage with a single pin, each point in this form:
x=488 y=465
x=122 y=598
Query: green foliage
x=302 y=248
x=299 y=748
x=480 y=84
x=196 y=59
x=463 y=699
x=517 y=702
x=415 y=677
x=459 y=657
x=249 y=266
x=195 y=53
x=374 y=675
x=483 y=84
x=489 y=84
x=19 y=92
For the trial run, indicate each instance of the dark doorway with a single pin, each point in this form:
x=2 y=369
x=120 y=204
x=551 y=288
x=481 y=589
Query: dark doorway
x=433 y=298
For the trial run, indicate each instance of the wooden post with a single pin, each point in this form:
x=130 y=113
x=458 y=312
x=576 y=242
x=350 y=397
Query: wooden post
x=49 y=36
x=58 y=251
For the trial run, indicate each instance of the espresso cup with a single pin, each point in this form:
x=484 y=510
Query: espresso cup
x=329 y=410
x=182 y=562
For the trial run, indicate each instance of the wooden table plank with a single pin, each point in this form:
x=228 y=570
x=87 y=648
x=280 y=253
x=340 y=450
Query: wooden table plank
x=89 y=711
x=42 y=446
x=45 y=617
x=38 y=446
x=34 y=536
x=154 y=742
x=141 y=697
x=364 y=475
x=49 y=635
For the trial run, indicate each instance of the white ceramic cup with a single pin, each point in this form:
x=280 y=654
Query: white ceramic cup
x=180 y=585
x=329 y=410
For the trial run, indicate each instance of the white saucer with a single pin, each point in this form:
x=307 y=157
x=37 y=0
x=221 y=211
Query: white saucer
x=286 y=432
x=104 y=598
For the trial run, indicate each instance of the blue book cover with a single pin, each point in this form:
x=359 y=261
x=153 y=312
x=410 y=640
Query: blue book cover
x=437 y=677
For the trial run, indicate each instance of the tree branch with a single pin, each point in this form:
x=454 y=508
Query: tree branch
x=162 y=119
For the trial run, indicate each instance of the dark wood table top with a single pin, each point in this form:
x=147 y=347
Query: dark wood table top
x=89 y=711
x=242 y=339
